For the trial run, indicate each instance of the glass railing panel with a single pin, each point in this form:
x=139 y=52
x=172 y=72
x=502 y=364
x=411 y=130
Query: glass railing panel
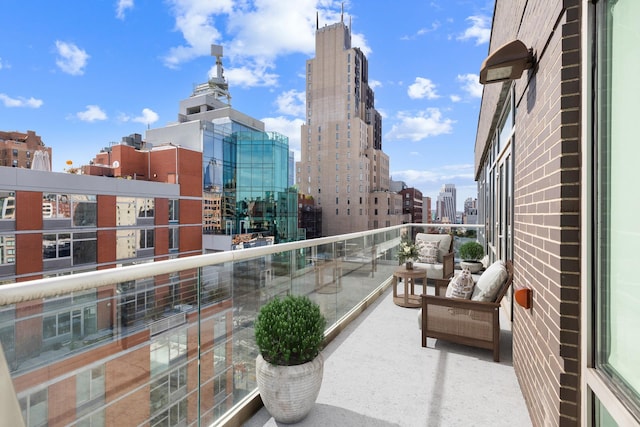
x=171 y=343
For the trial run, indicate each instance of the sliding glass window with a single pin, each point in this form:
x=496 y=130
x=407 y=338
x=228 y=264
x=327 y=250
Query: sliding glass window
x=617 y=283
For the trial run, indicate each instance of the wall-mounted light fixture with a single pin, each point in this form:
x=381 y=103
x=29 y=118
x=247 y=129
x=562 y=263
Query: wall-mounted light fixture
x=506 y=63
x=523 y=297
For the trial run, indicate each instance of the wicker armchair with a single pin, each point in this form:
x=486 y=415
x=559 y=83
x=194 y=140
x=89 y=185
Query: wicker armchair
x=462 y=321
x=443 y=269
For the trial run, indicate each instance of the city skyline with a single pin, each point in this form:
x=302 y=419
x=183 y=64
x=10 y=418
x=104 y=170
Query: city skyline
x=81 y=85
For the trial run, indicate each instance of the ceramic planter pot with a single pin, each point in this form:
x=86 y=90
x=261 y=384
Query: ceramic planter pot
x=289 y=392
x=473 y=266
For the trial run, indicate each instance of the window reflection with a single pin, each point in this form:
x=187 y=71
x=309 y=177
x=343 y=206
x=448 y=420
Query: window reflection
x=7 y=205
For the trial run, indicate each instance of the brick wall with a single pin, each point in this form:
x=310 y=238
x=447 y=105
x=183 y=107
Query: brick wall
x=546 y=155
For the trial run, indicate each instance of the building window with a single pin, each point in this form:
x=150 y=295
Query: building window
x=145 y=207
x=168 y=398
x=337 y=212
x=174 y=241
x=136 y=299
x=7 y=205
x=35 y=408
x=174 y=210
x=69 y=318
x=15 y=152
x=7 y=249
x=616 y=293
x=56 y=245
x=90 y=391
x=146 y=238
x=83 y=210
x=82 y=247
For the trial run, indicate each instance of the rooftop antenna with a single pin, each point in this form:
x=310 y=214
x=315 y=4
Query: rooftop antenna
x=317 y=21
x=342 y=12
x=217 y=84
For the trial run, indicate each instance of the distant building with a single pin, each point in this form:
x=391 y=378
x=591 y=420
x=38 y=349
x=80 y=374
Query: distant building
x=412 y=204
x=342 y=163
x=19 y=150
x=427 y=211
x=246 y=177
x=397 y=186
x=470 y=214
x=309 y=216
x=84 y=223
x=446 y=204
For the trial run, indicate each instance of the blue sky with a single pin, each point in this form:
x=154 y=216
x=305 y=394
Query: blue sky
x=85 y=73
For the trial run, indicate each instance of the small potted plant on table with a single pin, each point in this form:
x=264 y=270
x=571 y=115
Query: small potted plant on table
x=289 y=333
x=407 y=252
x=471 y=253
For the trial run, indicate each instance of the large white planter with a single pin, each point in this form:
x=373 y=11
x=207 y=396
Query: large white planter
x=473 y=266
x=289 y=392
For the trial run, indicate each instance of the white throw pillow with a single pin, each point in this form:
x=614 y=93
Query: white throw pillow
x=428 y=252
x=460 y=286
x=490 y=282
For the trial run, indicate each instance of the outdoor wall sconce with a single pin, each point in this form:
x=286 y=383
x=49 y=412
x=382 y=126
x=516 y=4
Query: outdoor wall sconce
x=523 y=297
x=506 y=63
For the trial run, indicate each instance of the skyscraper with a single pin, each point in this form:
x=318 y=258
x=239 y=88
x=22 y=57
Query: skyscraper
x=447 y=204
x=342 y=165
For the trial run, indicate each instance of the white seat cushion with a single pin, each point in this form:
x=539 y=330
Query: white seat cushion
x=434 y=271
x=490 y=282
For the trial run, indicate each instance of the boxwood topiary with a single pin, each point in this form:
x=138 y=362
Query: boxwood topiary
x=290 y=331
x=471 y=251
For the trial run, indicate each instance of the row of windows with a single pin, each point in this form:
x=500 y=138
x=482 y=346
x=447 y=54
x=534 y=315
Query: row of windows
x=82 y=208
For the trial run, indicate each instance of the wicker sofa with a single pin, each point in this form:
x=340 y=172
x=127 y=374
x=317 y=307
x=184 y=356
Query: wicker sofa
x=443 y=268
x=469 y=322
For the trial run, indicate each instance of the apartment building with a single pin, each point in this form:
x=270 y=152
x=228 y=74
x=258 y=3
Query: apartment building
x=342 y=164
x=555 y=159
x=19 y=150
x=59 y=223
x=412 y=204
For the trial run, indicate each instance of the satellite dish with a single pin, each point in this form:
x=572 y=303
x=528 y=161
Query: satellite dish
x=115 y=164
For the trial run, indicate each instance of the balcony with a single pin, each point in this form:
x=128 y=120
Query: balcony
x=171 y=343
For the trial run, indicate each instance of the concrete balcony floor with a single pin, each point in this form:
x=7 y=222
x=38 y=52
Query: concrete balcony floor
x=377 y=374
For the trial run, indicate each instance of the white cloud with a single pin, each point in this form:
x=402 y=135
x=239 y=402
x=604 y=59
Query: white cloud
x=20 y=101
x=251 y=76
x=422 y=31
x=358 y=40
x=291 y=102
x=3 y=65
x=71 y=59
x=256 y=34
x=194 y=19
x=425 y=124
x=422 y=88
x=122 y=6
x=455 y=98
x=289 y=128
x=479 y=30
x=148 y=117
x=449 y=173
x=374 y=83
x=471 y=84
x=91 y=114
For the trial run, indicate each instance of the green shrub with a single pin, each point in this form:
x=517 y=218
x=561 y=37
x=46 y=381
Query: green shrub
x=290 y=331
x=471 y=251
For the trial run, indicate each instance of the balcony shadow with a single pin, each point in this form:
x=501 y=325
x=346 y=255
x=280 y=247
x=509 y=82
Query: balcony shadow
x=322 y=415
